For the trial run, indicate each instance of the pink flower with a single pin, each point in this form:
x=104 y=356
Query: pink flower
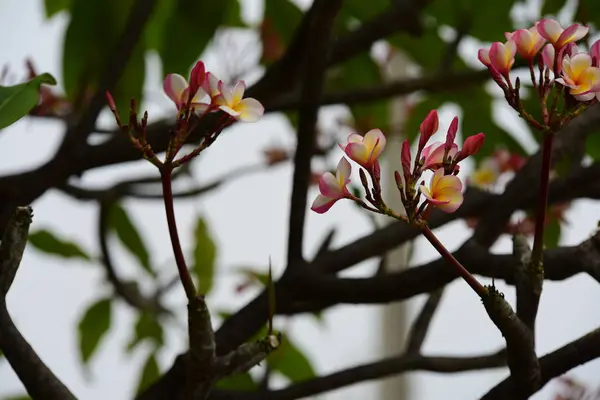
x=502 y=56
x=579 y=76
x=428 y=127
x=233 y=103
x=211 y=85
x=177 y=89
x=333 y=188
x=196 y=78
x=551 y=30
x=433 y=155
x=595 y=54
x=484 y=56
x=444 y=191
x=528 y=41
x=365 y=150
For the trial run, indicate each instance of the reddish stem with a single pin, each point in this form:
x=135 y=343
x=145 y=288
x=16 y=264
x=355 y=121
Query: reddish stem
x=540 y=218
x=184 y=275
x=462 y=271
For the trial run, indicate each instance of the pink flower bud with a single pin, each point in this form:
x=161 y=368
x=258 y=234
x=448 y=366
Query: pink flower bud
x=196 y=78
x=451 y=135
x=405 y=160
x=111 y=102
x=471 y=147
x=595 y=53
x=428 y=127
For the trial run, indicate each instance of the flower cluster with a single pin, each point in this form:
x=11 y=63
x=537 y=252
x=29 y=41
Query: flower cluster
x=558 y=59
x=206 y=93
x=444 y=190
x=202 y=95
x=492 y=167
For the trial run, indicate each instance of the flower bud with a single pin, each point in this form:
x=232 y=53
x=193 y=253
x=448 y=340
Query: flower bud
x=428 y=127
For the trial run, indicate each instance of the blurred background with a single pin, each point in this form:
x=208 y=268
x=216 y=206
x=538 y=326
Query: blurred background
x=244 y=219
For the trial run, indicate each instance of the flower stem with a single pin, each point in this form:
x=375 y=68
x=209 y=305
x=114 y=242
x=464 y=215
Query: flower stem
x=462 y=271
x=540 y=218
x=184 y=275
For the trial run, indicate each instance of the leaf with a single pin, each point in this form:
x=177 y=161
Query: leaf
x=93 y=326
x=128 y=234
x=146 y=328
x=242 y=382
x=486 y=23
x=150 y=373
x=205 y=253
x=285 y=16
x=17 y=397
x=362 y=71
x=592 y=145
x=188 y=31
x=55 y=6
x=91 y=37
x=16 y=101
x=552 y=6
x=289 y=361
x=48 y=242
x=552 y=233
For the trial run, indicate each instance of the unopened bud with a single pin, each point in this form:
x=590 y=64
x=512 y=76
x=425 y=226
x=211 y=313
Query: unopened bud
x=405 y=160
x=428 y=127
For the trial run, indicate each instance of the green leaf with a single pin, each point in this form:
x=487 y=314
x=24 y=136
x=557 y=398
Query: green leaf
x=150 y=373
x=205 y=253
x=55 y=6
x=592 y=145
x=16 y=101
x=552 y=233
x=94 y=30
x=48 y=242
x=123 y=226
x=486 y=23
x=362 y=71
x=285 y=17
x=93 y=326
x=188 y=31
x=552 y=7
x=289 y=361
x=239 y=382
x=233 y=17
x=17 y=397
x=146 y=328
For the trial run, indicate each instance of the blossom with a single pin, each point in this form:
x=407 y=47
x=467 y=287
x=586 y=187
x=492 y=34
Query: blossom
x=551 y=30
x=211 y=85
x=595 y=53
x=579 y=76
x=528 y=41
x=444 y=191
x=502 y=56
x=428 y=127
x=233 y=103
x=177 y=89
x=484 y=56
x=548 y=54
x=365 y=150
x=333 y=188
x=433 y=155
x=487 y=173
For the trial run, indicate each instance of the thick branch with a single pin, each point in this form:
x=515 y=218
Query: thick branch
x=39 y=381
x=317 y=43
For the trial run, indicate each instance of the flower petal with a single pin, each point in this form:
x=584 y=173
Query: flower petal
x=550 y=30
x=250 y=110
x=328 y=186
x=342 y=173
x=358 y=152
x=322 y=204
x=174 y=85
x=452 y=201
x=238 y=92
x=230 y=111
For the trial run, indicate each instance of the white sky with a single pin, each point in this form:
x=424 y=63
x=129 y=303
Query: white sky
x=249 y=220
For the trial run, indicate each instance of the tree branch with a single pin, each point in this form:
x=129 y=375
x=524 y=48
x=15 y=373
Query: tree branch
x=39 y=381
x=320 y=28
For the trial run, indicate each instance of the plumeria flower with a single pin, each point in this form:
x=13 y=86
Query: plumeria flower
x=487 y=174
x=176 y=87
x=551 y=30
x=528 y=41
x=502 y=56
x=365 y=150
x=444 y=191
x=333 y=188
x=595 y=53
x=233 y=103
x=579 y=76
x=211 y=85
x=433 y=155
x=548 y=54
